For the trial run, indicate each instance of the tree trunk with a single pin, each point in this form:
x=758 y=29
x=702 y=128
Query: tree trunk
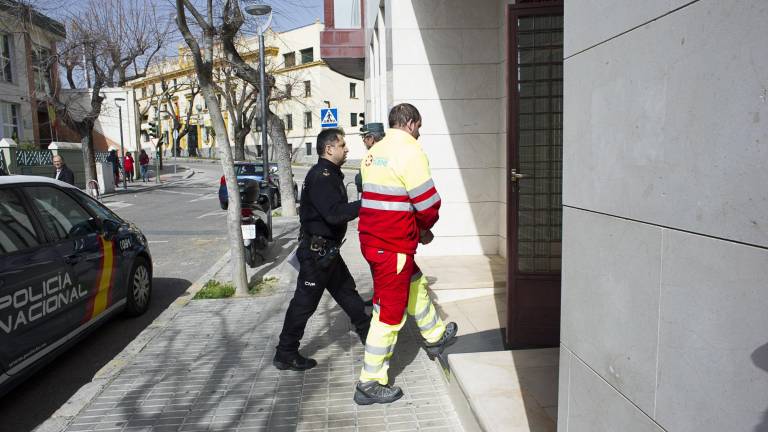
x=282 y=150
x=240 y=135
x=237 y=257
x=89 y=159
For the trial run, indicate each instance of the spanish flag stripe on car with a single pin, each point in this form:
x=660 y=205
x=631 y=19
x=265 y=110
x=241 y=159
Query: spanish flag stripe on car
x=103 y=295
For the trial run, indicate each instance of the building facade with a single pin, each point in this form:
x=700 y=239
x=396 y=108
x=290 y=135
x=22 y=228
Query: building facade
x=26 y=46
x=615 y=157
x=303 y=86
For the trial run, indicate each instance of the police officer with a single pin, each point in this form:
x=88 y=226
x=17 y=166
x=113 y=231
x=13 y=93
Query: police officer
x=324 y=213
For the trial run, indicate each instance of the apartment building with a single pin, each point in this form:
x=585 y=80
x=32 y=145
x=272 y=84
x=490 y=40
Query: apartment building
x=26 y=46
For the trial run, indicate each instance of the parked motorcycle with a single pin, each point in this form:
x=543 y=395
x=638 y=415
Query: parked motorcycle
x=255 y=204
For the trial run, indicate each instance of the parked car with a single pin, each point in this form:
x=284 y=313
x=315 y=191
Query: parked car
x=67 y=263
x=254 y=171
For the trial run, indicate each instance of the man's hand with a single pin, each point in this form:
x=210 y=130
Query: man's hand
x=426 y=236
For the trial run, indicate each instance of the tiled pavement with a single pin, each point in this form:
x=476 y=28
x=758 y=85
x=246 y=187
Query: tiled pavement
x=210 y=370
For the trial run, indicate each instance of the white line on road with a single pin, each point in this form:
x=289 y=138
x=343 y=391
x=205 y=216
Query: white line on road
x=204 y=197
x=179 y=192
x=213 y=213
x=118 y=204
x=158 y=241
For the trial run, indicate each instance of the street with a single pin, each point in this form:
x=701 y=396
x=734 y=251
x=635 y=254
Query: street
x=187 y=233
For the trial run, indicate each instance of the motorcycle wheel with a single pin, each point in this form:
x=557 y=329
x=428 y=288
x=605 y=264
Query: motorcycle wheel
x=250 y=255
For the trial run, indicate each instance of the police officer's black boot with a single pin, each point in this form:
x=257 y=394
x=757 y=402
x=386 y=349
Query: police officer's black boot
x=293 y=361
x=371 y=392
x=448 y=338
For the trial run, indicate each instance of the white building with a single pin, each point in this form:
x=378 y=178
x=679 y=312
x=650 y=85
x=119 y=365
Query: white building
x=637 y=240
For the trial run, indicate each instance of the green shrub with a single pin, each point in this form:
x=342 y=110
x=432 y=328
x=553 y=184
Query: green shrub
x=214 y=289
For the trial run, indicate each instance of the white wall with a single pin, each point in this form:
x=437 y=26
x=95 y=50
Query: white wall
x=665 y=252
x=444 y=65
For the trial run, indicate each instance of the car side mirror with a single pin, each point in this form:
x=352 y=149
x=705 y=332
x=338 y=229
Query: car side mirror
x=110 y=228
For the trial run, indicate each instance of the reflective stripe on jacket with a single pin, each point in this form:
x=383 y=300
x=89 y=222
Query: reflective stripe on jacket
x=399 y=197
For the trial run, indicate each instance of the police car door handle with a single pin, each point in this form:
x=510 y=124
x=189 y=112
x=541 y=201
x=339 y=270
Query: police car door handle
x=73 y=259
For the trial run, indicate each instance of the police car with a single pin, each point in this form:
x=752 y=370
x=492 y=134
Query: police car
x=66 y=264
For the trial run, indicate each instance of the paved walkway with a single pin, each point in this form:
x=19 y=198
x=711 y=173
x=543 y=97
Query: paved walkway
x=210 y=369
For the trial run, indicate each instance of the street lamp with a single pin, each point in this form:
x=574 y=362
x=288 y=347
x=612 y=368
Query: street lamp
x=122 y=147
x=263 y=13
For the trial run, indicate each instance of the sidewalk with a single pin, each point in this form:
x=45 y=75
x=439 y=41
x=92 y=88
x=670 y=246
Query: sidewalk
x=207 y=366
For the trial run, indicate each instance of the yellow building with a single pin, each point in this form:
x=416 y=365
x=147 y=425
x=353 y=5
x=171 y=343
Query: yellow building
x=304 y=85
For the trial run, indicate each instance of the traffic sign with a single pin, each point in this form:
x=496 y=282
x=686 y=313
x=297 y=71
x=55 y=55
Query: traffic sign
x=329 y=117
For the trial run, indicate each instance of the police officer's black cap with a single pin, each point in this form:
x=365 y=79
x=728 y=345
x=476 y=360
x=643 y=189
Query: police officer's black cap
x=371 y=128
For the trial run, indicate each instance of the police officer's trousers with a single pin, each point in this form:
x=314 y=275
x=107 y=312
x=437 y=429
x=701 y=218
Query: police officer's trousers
x=399 y=290
x=312 y=281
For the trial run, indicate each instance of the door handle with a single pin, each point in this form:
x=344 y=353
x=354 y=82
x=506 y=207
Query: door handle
x=73 y=259
x=514 y=176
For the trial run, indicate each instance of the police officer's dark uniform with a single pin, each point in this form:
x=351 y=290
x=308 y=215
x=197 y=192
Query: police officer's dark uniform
x=324 y=214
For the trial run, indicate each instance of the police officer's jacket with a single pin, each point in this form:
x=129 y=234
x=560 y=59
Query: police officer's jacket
x=325 y=209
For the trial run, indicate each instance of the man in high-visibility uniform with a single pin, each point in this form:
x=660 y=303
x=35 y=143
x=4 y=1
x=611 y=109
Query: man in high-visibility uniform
x=399 y=207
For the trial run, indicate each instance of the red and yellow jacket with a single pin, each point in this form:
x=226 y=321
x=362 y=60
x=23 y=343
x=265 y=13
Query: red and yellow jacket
x=399 y=197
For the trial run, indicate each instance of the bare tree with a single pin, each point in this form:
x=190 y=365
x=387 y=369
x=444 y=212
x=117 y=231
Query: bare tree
x=169 y=92
x=232 y=22
x=113 y=38
x=203 y=58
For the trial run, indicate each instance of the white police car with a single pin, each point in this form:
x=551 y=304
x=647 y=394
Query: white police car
x=66 y=264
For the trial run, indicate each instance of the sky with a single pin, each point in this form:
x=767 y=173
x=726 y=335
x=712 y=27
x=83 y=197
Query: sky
x=288 y=14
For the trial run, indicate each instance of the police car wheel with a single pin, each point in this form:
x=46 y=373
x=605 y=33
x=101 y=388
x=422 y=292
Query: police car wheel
x=139 y=288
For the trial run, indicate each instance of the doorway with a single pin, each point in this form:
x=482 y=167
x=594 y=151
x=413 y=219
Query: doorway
x=534 y=174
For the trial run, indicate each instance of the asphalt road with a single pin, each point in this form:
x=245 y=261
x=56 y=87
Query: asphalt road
x=187 y=234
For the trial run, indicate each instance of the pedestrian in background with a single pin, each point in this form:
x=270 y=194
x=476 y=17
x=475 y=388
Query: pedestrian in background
x=324 y=214
x=143 y=165
x=63 y=172
x=399 y=207
x=115 y=161
x=372 y=133
x=128 y=165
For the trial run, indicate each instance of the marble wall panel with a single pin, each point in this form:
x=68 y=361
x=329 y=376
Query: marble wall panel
x=610 y=299
x=461 y=245
x=713 y=353
x=463 y=219
x=445 y=14
x=467 y=185
x=417 y=82
x=445 y=46
x=590 y=22
x=457 y=116
x=674 y=134
x=461 y=150
x=595 y=406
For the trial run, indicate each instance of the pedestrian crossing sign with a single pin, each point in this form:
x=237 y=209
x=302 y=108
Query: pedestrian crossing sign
x=329 y=117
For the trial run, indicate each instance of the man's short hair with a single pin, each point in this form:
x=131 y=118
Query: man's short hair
x=328 y=137
x=59 y=156
x=401 y=114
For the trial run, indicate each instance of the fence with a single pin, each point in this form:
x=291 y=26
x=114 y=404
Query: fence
x=3 y=166
x=34 y=158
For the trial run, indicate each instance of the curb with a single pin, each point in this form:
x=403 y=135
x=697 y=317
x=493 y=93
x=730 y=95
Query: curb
x=69 y=410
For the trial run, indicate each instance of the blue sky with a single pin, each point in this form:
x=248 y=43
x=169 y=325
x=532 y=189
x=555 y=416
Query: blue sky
x=288 y=14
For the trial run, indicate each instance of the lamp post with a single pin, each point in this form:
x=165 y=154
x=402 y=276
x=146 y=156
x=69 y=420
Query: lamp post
x=264 y=15
x=122 y=147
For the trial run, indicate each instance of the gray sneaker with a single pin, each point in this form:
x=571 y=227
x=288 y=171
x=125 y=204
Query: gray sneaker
x=371 y=392
x=448 y=338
